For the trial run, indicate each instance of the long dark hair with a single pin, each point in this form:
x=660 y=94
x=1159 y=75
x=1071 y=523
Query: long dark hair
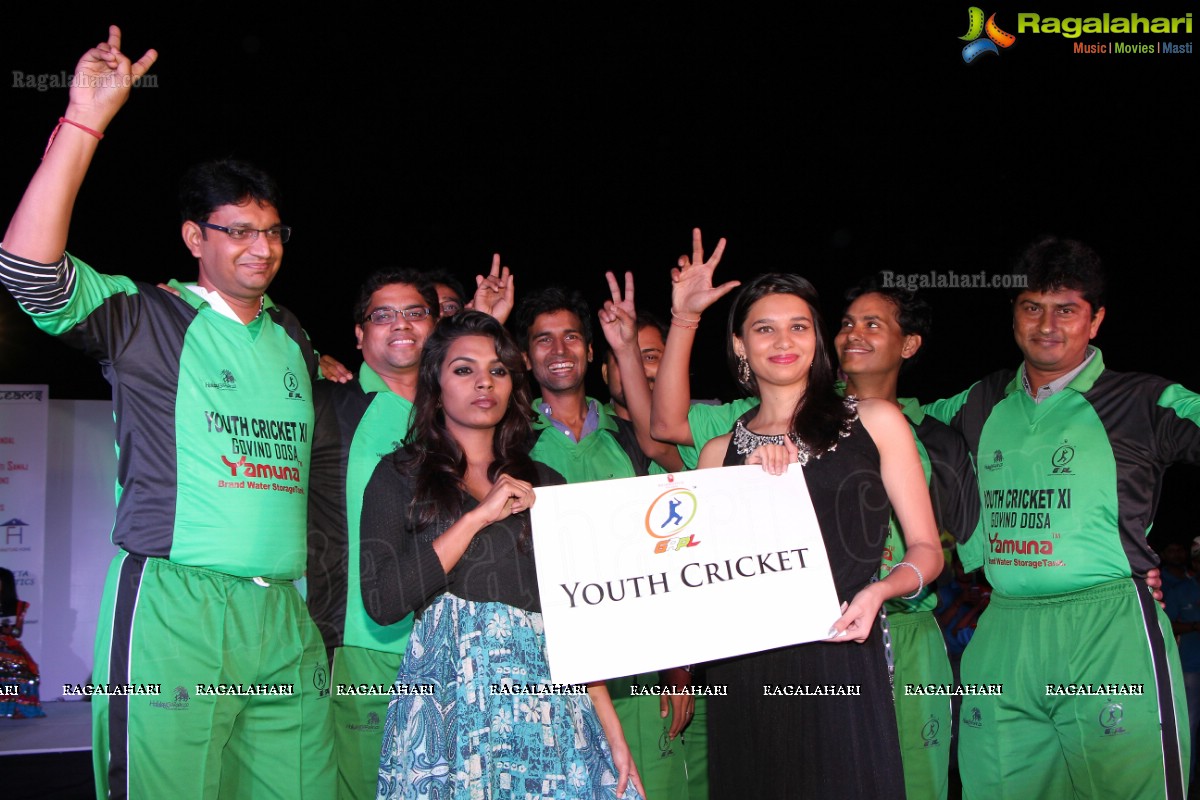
x=438 y=463
x=820 y=414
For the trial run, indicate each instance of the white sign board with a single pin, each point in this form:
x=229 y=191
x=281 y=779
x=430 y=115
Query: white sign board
x=641 y=574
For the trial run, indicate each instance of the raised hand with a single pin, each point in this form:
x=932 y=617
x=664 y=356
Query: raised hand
x=618 y=316
x=103 y=80
x=495 y=293
x=692 y=289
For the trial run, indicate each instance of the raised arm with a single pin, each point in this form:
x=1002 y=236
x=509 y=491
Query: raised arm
x=692 y=292
x=618 y=320
x=103 y=79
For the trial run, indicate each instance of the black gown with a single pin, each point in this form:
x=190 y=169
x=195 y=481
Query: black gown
x=823 y=746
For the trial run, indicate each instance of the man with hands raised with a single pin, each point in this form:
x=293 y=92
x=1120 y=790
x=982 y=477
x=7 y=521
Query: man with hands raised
x=211 y=513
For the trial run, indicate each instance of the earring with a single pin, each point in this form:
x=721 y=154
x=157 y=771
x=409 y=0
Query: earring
x=743 y=370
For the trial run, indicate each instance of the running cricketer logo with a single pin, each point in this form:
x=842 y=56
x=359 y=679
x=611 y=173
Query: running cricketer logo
x=321 y=680
x=291 y=384
x=930 y=731
x=1061 y=458
x=976 y=27
x=1111 y=716
x=668 y=515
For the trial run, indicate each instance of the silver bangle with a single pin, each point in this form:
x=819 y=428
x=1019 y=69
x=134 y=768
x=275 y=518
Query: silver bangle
x=920 y=577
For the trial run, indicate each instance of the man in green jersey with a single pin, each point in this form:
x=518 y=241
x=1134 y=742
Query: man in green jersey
x=213 y=408
x=1070 y=459
x=357 y=423
x=584 y=440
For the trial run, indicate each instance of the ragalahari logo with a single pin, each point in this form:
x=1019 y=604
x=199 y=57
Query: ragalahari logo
x=976 y=28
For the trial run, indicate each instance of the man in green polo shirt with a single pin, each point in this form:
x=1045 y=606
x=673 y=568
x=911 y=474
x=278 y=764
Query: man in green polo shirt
x=357 y=423
x=585 y=441
x=1070 y=459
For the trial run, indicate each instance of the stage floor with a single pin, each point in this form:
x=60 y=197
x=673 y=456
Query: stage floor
x=67 y=727
x=49 y=758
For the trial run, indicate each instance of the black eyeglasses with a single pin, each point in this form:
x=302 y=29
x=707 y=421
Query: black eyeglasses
x=450 y=307
x=387 y=314
x=280 y=233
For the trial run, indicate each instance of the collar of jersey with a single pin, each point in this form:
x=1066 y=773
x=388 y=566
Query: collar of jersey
x=606 y=416
x=196 y=301
x=1081 y=383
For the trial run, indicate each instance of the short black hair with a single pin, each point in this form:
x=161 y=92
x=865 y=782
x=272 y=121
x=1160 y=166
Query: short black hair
x=646 y=320
x=547 y=301
x=209 y=185
x=1052 y=263
x=914 y=314
x=443 y=276
x=386 y=276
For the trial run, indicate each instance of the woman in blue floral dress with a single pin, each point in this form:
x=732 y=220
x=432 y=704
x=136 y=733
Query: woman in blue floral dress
x=445 y=532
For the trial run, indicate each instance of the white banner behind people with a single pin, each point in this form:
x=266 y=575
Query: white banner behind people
x=662 y=571
x=24 y=411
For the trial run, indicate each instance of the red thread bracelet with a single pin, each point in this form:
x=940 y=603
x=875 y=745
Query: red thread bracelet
x=81 y=127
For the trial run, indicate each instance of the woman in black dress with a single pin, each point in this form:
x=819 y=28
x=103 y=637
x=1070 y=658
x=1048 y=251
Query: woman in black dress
x=860 y=464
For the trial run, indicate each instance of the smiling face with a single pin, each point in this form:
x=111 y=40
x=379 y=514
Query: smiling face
x=870 y=340
x=778 y=339
x=558 y=355
x=1053 y=330
x=475 y=385
x=238 y=271
x=394 y=348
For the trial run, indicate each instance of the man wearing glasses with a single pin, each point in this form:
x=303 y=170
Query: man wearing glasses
x=357 y=423
x=213 y=404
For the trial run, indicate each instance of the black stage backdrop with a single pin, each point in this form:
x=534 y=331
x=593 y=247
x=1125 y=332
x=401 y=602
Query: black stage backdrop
x=578 y=138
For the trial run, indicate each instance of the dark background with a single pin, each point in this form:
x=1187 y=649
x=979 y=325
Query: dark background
x=574 y=139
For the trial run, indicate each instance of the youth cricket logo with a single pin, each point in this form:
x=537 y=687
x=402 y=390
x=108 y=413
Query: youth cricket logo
x=668 y=515
x=977 y=28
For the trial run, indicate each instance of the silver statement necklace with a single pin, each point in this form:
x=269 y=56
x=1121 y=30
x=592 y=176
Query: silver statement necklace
x=746 y=441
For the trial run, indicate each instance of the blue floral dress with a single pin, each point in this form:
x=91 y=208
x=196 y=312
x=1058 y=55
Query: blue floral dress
x=485 y=732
